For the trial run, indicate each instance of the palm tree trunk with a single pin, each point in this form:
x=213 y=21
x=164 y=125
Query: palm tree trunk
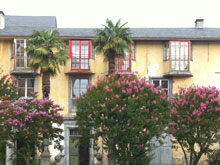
x=46 y=84
x=111 y=65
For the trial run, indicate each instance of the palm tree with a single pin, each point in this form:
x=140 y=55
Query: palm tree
x=46 y=53
x=113 y=41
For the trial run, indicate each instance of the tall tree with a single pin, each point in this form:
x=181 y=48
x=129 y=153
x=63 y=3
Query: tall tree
x=46 y=53
x=126 y=112
x=113 y=41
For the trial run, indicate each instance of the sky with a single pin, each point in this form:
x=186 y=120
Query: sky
x=138 y=13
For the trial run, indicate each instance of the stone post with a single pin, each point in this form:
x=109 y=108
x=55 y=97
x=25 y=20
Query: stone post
x=45 y=156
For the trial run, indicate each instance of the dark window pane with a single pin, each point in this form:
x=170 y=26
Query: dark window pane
x=21 y=82
x=21 y=92
x=30 y=83
x=164 y=84
x=30 y=92
x=156 y=83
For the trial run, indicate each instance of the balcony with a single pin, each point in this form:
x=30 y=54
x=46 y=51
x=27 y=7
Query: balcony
x=19 y=65
x=177 y=58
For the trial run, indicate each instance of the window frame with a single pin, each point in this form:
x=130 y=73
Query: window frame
x=72 y=107
x=26 y=85
x=26 y=58
x=80 y=59
x=189 y=54
x=160 y=79
x=120 y=61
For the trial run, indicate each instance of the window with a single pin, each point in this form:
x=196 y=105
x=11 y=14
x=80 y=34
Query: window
x=78 y=86
x=166 y=51
x=164 y=83
x=178 y=52
x=80 y=53
x=180 y=55
x=123 y=64
x=25 y=86
x=133 y=56
x=21 y=57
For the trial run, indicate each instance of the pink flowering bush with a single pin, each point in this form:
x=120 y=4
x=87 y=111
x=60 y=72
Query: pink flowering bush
x=29 y=122
x=126 y=112
x=195 y=120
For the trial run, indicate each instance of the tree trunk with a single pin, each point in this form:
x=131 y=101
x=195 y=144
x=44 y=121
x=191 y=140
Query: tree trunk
x=46 y=84
x=111 y=64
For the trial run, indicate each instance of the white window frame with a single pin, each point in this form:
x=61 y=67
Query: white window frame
x=25 y=53
x=26 y=86
x=160 y=84
x=74 y=107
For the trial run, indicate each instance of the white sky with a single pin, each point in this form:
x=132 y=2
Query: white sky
x=138 y=13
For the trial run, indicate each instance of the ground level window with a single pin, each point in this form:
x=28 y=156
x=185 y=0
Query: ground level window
x=164 y=83
x=78 y=153
x=25 y=86
x=79 y=86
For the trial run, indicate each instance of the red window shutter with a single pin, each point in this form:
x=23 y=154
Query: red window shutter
x=90 y=47
x=70 y=49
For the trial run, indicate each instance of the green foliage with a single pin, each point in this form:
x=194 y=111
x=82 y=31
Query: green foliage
x=8 y=88
x=114 y=38
x=46 y=51
x=8 y=91
x=195 y=117
x=24 y=124
x=2 y=153
x=112 y=41
x=126 y=112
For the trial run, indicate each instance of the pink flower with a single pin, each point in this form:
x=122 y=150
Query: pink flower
x=172 y=124
x=123 y=91
x=117 y=96
x=129 y=91
x=147 y=131
x=154 y=102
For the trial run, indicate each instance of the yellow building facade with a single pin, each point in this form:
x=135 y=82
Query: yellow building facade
x=165 y=56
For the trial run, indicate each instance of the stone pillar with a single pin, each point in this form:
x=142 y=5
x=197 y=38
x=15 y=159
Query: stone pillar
x=45 y=156
x=9 y=152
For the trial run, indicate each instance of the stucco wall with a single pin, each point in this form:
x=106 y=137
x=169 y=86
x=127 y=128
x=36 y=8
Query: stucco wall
x=5 y=56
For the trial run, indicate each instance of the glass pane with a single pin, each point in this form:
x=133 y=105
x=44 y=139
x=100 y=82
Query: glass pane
x=30 y=83
x=84 y=83
x=181 y=65
x=74 y=103
x=156 y=83
x=30 y=91
x=21 y=92
x=21 y=82
x=164 y=84
x=20 y=63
